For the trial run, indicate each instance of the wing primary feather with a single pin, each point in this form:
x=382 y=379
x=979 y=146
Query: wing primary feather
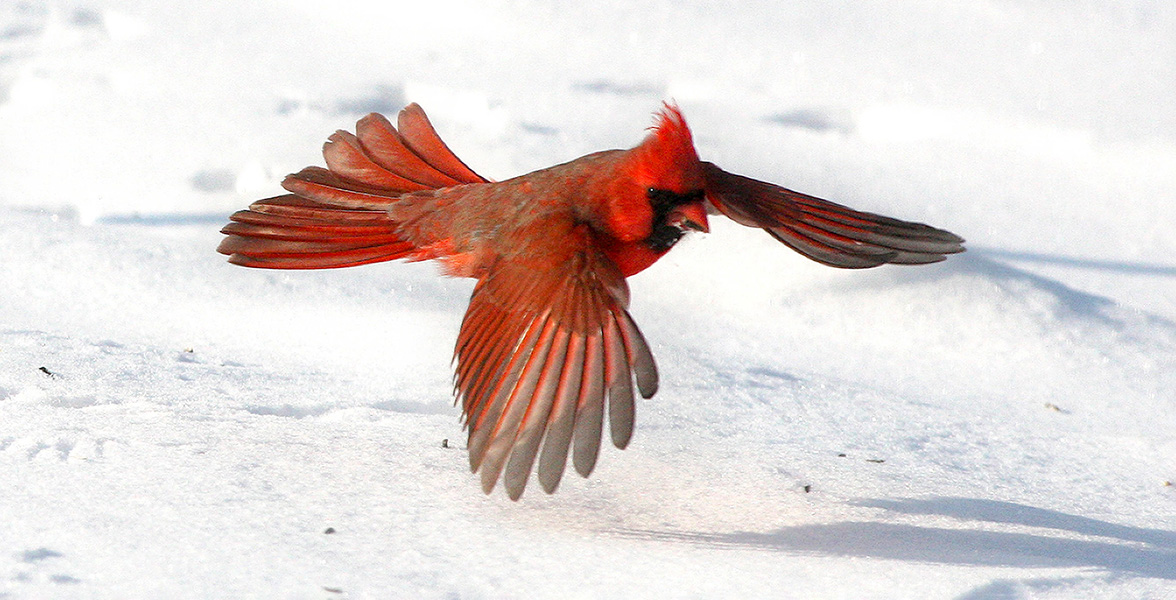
x=640 y=356
x=589 y=407
x=812 y=205
x=825 y=254
x=865 y=244
x=620 y=385
x=825 y=231
x=538 y=395
x=526 y=446
x=483 y=427
x=556 y=443
x=835 y=242
x=552 y=391
x=515 y=406
x=899 y=235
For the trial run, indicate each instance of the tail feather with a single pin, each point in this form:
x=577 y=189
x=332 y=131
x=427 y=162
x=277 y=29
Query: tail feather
x=297 y=207
x=263 y=243
x=339 y=216
x=250 y=224
x=346 y=158
x=353 y=258
x=289 y=232
x=384 y=145
x=418 y=134
x=330 y=190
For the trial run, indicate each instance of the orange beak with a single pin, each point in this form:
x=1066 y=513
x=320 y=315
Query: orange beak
x=689 y=216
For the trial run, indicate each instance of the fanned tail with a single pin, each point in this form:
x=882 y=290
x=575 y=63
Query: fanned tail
x=338 y=216
x=290 y=232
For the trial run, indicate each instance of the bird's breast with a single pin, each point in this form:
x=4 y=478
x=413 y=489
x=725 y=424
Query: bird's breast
x=631 y=257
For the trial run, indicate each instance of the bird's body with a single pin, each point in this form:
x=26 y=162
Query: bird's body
x=547 y=345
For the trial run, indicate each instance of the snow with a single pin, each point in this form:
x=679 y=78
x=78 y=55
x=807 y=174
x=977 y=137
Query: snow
x=1001 y=425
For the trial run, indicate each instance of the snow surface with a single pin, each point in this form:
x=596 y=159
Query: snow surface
x=998 y=426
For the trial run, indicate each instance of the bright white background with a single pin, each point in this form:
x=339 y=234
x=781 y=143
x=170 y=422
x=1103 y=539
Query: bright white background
x=998 y=426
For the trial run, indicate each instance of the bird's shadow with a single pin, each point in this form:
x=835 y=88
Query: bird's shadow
x=1126 y=267
x=1117 y=549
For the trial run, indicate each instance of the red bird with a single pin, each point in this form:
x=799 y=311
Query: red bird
x=547 y=342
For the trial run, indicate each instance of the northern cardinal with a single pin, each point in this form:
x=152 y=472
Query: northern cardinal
x=547 y=341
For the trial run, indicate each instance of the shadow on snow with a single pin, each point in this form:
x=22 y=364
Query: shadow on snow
x=1122 y=550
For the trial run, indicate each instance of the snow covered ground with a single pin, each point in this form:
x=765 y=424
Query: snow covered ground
x=998 y=426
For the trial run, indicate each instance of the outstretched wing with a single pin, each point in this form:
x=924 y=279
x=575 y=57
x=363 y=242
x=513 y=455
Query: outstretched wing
x=340 y=216
x=826 y=232
x=545 y=345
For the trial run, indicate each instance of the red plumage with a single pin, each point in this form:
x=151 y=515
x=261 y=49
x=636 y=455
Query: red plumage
x=547 y=344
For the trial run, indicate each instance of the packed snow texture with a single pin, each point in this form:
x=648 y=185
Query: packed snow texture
x=998 y=426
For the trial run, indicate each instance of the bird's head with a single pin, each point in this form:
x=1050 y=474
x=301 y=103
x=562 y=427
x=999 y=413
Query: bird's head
x=667 y=173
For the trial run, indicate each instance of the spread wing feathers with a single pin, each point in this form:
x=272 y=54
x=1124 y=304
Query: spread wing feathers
x=338 y=217
x=826 y=232
x=542 y=349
